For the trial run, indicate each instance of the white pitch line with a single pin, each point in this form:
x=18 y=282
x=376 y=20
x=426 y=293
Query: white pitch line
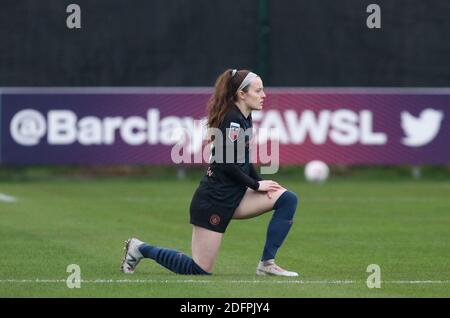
x=190 y=281
x=417 y=282
x=7 y=198
x=372 y=199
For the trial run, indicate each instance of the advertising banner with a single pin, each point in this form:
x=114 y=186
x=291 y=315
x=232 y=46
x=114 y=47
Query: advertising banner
x=142 y=125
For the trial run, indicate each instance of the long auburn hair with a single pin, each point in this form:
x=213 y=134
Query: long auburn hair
x=224 y=96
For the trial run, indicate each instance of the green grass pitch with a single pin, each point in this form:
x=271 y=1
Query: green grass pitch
x=340 y=228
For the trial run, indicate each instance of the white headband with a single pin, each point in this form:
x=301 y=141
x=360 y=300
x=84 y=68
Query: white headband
x=250 y=77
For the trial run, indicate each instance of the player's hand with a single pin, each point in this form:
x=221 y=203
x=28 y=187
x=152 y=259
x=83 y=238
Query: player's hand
x=269 y=186
x=269 y=194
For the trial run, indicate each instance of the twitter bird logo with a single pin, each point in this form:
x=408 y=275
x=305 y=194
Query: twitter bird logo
x=421 y=130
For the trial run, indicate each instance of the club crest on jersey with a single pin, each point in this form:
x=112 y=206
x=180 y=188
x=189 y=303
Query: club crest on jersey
x=234 y=131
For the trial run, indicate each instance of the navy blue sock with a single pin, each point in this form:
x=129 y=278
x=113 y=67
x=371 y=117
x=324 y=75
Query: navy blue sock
x=173 y=260
x=280 y=224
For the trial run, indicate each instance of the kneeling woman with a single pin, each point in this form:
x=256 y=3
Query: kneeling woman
x=228 y=190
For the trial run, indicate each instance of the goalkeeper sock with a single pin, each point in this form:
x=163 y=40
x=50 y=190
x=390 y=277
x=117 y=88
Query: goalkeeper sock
x=173 y=260
x=280 y=224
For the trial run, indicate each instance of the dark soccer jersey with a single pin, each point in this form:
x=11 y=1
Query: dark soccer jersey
x=230 y=171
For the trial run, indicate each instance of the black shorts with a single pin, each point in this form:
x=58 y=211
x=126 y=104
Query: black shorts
x=208 y=214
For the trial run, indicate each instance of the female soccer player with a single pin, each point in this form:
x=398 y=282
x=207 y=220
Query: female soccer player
x=230 y=189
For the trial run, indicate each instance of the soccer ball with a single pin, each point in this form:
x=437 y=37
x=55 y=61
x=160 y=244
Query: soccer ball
x=316 y=171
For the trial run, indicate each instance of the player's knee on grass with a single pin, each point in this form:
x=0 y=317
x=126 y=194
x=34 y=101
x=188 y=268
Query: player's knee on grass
x=197 y=270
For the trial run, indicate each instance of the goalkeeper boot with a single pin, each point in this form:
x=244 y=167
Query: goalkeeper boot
x=270 y=268
x=132 y=256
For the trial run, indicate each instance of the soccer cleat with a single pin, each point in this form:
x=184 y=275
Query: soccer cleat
x=132 y=256
x=270 y=268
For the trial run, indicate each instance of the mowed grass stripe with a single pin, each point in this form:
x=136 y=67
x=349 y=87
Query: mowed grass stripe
x=340 y=228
